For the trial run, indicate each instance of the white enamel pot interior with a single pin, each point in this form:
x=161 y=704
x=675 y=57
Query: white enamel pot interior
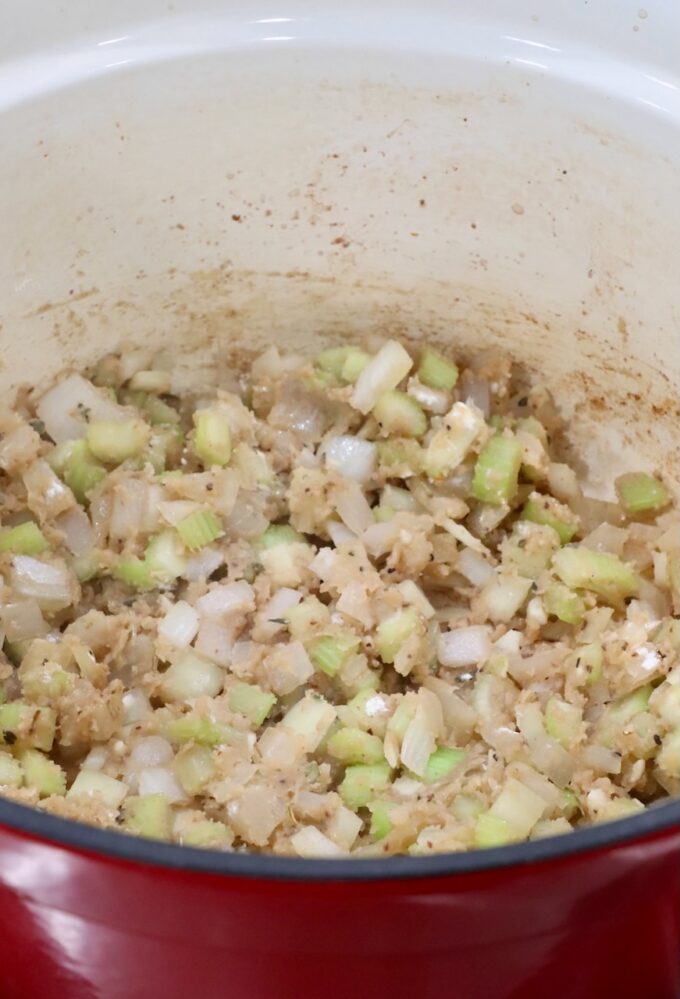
x=183 y=178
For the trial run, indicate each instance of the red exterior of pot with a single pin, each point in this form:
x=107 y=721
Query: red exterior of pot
x=78 y=925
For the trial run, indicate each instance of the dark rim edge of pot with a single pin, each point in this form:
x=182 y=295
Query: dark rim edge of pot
x=109 y=844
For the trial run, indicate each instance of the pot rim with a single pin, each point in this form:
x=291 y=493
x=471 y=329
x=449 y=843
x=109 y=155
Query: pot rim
x=110 y=844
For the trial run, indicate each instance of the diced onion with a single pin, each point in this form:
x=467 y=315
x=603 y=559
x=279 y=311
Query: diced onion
x=159 y=780
x=180 y=625
x=475 y=568
x=464 y=646
x=152 y=751
x=311 y=842
x=351 y=457
x=62 y=408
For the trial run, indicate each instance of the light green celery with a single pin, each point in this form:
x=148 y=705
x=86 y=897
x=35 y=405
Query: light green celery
x=563 y=721
x=208 y=834
x=497 y=470
x=569 y=803
x=196 y=728
x=400 y=415
x=362 y=783
x=24 y=539
x=329 y=652
x=620 y=713
x=436 y=371
x=462 y=426
x=11 y=774
x=150 y=380
x=42 y=774
x=133 y=572
x=194 y=767
x=113 y=441
x=74 y=462
x=279 y=534
x=32 y=726
x=148 y=816
x=165 y=557
x=400 y=456
x=212 y=438
x=601 y=572
x=353 y=745
x=199 y=529
x=442 y=763
x=251 y=701
x=563 y=603
x=394 y=631
x=381 y=823
x=159 y=413
x=588 y=660
x=641 y=493
x=86 y=567
x=491 y=830
x=545 y=510
x=344 y=363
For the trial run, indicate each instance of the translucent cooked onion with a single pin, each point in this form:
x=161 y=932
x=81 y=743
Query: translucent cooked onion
x=464 y=646
x=351 y=456
x=474 y=567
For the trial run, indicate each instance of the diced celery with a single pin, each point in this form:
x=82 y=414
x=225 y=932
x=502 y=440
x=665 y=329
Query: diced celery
x=393 y=632
x=159 y=413
x=563 y=603
x=402 y=718
x=497 y=470
x=194 y=767
x=550 y=827
x=344 y=363
x=354 y=364
x=191 y=676
x=208 y=834
x=620 y=713
x=380 y=818
x=333 y=360
x=73 y=460
x=45 y=680
x=196 y=728
x=212 y=439
x=641 y=493
x=442 y=763
x=251 y=701
x=134 y=572
x=112 y=441
x=42 y=774
x=164 y=448
x=563 y=721
x=545 y=510
x=30 y=725
x=310 y=719
x=529 y=548
x=353 y=745
x=86 y=567
x=164 y=557
x=94 y=784
x=530 y=425
x=11 y=774
x=467 y=806
x=400 y=456
x=24 y=539
x=279 y=534
x=361 y=783
x=199 y=529
x=491 y=830
x=463 y=425
x=569 y=803
x=329 y=652
x=601 y=572
x=399 y=414
x=308 y=617
x=436 y=371
x=668 y=757
x=150 y=380
x=588 y=662
x=148 y=815
x=519 y=806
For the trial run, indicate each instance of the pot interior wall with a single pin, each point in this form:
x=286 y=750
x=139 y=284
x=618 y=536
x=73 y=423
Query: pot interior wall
x=204 y=192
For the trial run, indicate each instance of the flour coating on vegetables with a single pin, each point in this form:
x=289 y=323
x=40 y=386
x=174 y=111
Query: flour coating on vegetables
x=354 y=606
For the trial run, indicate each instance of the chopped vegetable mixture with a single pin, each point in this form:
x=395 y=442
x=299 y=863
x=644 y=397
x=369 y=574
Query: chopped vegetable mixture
x=355 y=605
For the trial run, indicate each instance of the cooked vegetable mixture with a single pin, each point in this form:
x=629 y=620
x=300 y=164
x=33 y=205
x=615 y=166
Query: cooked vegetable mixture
x=354 y=605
